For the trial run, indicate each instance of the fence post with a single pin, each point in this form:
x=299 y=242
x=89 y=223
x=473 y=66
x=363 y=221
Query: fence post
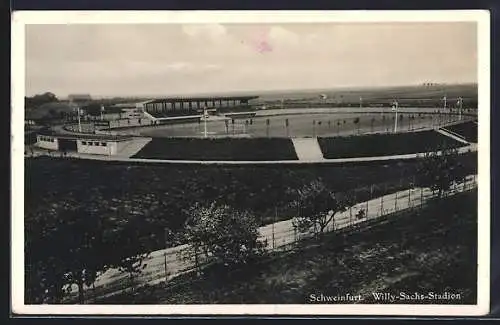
x=166 y=272
x=396 y=202
x=350 y=223
x=409 y=197
x=382 y=205
x=272 y=226
x=295 y=235
x=196 y=264
x=165 y=232
x=367 y=202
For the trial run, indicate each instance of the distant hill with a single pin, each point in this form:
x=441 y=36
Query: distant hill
x=352 y=94
x=383 y=93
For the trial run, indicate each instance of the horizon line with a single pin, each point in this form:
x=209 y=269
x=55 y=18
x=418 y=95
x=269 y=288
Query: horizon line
x=264 y=91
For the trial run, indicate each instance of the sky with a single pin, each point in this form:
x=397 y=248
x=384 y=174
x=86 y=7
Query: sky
x=173 y=59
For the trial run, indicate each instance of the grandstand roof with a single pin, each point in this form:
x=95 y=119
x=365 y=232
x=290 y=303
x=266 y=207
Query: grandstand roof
x=82 y=136
x=189 y=99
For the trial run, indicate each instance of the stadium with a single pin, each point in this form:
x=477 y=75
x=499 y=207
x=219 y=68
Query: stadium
x=137 y=167
x=256 y=129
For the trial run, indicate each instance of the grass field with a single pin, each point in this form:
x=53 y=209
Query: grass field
x=218 y=149
x=428 y=250
x=301 y=125
x=384 y=144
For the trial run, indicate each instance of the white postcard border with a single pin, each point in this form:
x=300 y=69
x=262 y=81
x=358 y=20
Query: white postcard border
x=20 y=19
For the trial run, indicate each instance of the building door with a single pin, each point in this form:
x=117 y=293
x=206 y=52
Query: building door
x=66 y=145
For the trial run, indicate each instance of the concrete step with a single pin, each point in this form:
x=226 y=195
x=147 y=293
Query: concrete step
x=307 y=149
x=133 y=147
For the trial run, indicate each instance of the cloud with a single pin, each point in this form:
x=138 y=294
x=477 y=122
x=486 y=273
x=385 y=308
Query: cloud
x=132 y=59
x=179 y=66
x=210 y=31
x=282 y=36
x=211 y=67
x=269 y=39
x=266 y=39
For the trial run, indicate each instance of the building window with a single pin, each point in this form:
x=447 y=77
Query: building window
x=96 y=143
x=104 y=144
x=84 y=143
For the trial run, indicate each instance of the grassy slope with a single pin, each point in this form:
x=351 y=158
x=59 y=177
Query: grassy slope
x=218 y=149
x=384 y=144
x=468 y=130
x=419 y=251
x=159 y=194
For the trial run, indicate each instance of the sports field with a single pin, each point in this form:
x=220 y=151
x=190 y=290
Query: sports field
x=303 y=125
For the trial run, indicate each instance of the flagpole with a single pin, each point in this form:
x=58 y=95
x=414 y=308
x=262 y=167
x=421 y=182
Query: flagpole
x=205 y=121
x=395 y=105
x=444 y=107
x=460 y=108
x=79 y=122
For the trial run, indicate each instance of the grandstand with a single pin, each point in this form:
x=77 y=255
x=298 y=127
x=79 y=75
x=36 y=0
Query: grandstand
x=189 y=106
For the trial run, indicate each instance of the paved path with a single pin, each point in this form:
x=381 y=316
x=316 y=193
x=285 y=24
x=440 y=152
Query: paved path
x=452 y=135
x=307 y=149
x=350 y=110
x=168 y=263
x=470 y=148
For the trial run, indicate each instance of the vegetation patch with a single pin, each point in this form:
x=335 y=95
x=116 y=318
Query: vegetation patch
x=467 y=130
x=384 y=144
x=432 y=250
x=218 y=149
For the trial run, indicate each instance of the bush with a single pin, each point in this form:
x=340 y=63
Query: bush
x=227 y=236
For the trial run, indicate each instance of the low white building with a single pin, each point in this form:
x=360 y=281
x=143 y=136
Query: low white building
x=84 y=144
x=48 y=142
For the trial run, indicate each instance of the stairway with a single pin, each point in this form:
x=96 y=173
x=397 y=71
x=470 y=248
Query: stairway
x=133 y=146
x=307 y=149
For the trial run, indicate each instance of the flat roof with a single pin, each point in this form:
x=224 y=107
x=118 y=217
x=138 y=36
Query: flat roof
x=192 y=99
x=93 y=137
